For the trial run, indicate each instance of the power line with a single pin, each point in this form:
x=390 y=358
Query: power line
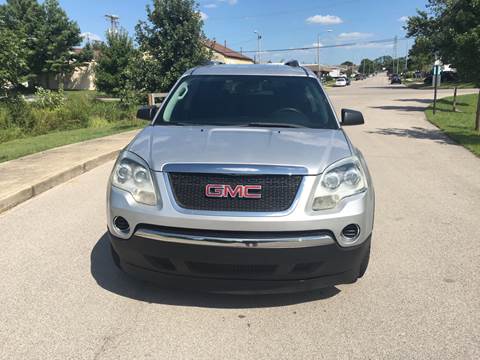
x=391 y=40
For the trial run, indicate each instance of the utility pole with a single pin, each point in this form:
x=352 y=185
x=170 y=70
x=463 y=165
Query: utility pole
x=318 y=52
x=395 y=41
x=259 y=37
x=113 y=22
x=406 y=58
x=318 y=55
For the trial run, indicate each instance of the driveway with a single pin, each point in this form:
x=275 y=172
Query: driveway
x=61 y=297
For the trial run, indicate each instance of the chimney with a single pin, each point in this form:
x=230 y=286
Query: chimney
x=225 y=43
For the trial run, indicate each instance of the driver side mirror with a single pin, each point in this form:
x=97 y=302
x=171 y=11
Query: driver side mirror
x=352 y=117
x=147 y=112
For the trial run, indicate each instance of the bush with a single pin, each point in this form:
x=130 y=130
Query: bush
x=48 y=99
x=97 y=122
x=10 y=134
x=55 y=112
x=19 y=112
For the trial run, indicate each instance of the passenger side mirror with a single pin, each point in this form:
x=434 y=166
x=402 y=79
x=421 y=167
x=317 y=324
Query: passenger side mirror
x=147 y=112
x=352 y=117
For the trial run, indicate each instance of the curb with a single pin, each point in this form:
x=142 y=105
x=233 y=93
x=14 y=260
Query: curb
x=43 y=185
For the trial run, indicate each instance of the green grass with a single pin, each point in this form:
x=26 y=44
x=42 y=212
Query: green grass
x=418 y=84
x=25 y=146
x=460 y=125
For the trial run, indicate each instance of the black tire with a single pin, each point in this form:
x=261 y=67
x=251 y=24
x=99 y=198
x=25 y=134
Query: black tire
x=364 y=264
x=115 y=257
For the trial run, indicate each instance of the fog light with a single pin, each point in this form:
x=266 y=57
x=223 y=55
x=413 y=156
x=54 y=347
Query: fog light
x=351 y=232
x=121 y=224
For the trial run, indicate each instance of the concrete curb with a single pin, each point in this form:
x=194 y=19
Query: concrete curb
x=43 y=185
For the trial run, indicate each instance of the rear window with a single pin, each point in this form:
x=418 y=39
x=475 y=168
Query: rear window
x=248 y=101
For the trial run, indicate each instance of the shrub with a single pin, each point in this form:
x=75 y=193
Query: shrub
x=97 y=122
x=20 y=113
x=11 y=133
x=47 y=99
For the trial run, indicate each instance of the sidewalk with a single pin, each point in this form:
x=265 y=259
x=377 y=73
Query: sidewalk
x=24 y=178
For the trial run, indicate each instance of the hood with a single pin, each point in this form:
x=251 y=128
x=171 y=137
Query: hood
x=313 y=149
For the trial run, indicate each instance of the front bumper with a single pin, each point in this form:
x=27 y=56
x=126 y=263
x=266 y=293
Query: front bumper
x=239 y=266
x=357 y=209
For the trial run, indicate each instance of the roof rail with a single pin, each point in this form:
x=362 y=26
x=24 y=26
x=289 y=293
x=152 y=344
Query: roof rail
x=213 y=62
x=292 y=63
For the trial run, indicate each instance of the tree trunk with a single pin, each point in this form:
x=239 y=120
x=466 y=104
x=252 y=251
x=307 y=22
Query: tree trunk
x=60 y=81
x=477 y=121
x=455 y=99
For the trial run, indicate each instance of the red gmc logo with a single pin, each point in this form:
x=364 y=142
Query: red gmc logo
x=237 y=191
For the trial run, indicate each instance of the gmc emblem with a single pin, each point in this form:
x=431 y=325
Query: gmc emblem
x=239 y=191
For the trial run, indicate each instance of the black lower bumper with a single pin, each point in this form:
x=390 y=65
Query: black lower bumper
x=240 y=270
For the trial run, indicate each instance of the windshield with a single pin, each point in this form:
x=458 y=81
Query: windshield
x=223 y=100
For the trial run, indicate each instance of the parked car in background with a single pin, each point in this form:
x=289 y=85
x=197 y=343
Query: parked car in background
x=395 y=79
x=341 y=81
x=244 y=182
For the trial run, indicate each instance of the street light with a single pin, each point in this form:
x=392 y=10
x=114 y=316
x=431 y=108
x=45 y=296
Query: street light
x=259 y=37
x=318 y=51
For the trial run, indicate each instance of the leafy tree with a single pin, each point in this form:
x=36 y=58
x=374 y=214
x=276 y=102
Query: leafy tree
x=46 y=33
x=367 y=67
x=13 y=60
x=25 y=20
x=62 y=35
x=111 y=73
x=451 y=30
x=349 y=65
x=170 y=42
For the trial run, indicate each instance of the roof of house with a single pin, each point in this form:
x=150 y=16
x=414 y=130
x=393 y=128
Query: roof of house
x=225 y=51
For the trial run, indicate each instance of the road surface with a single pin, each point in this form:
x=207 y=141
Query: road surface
x=62 y=298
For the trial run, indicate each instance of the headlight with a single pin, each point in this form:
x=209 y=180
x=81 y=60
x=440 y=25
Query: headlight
x=342 y=179
x=132 y=174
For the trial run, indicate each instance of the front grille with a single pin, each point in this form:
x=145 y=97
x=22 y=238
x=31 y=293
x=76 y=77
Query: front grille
x=277 y=194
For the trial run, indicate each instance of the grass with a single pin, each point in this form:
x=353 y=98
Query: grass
x=460 y=125
x=25 y=146
x=418 y=84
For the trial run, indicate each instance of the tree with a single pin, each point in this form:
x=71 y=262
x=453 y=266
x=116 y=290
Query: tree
x=349 y=65
x=25 y=19
x=451 y=30
x=62 y=35
x=47 y=35
x=367 y=67
x=13 y=61
x=111 y=73
x=170 y=42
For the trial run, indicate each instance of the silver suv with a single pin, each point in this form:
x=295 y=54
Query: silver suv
x=243 y=182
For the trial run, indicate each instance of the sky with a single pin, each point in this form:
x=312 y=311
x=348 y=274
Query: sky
x=283 y=24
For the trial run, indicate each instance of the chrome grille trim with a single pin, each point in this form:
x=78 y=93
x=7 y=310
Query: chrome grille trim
x=235 y=169
x=301 y=242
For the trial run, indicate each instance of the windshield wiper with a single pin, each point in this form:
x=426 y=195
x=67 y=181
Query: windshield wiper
x=273 y=124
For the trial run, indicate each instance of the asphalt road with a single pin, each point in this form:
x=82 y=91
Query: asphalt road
x=62 y=298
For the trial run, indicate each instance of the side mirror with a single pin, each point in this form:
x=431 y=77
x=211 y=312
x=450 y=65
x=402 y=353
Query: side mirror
x=352 y=117
x=147 y=112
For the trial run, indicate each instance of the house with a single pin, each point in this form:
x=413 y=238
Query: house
x=223 y=54
x=332 y=71
x=83 y=78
